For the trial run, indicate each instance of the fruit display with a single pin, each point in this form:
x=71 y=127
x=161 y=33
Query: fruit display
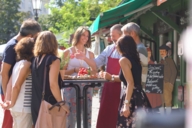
x=83 y=73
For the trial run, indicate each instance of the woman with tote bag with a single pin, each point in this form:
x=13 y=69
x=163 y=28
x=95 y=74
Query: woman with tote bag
x=48 y=109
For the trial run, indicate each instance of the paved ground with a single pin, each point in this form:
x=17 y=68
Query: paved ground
x=95 y=108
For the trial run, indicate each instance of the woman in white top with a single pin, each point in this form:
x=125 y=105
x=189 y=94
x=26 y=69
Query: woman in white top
x=79 y=57
x=18 y=96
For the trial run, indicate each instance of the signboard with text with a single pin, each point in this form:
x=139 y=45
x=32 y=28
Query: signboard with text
x=154 y=82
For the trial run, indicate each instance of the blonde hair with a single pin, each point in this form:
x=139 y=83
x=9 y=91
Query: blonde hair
x=46 y=43
x=79 y=32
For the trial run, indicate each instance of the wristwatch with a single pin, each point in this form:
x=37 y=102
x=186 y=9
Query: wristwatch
x=112 y=78
x=126 y=101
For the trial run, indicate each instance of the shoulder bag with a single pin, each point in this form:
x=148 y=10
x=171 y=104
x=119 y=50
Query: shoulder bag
x=50 y=116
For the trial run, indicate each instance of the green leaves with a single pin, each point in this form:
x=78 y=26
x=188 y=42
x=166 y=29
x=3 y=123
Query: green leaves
x=67 y=17
x=11 y=19
x=64 y=60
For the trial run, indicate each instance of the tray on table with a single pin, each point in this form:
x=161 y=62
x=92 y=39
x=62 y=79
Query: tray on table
x=68 y=77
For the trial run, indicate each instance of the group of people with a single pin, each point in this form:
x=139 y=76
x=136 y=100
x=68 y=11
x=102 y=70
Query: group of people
x=24 y=63
x=23 y=70
x=123 y=63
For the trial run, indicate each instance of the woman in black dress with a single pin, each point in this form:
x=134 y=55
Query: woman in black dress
x=45 y=49
x=130 y=74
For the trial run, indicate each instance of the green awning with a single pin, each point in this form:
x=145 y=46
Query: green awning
x=117 y=14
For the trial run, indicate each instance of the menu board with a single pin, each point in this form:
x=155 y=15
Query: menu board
x=154 y=82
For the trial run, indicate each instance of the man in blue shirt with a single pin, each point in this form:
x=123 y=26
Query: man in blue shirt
x=108 y=112
x=29 y=28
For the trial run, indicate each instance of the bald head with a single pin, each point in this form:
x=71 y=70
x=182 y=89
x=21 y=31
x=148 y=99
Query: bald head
x=115 y=32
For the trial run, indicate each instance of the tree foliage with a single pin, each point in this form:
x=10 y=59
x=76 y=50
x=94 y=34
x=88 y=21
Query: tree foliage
x=45 y=22
x=108 y=4
x=66 y=17
x=10 y=19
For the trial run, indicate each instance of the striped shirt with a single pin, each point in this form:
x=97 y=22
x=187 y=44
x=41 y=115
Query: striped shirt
x=23 y=102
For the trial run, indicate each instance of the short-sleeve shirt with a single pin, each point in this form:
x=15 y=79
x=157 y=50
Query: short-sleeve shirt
x=9 y=56
x=102 y=59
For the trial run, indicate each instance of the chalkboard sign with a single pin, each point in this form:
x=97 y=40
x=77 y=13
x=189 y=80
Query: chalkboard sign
x=154 y=82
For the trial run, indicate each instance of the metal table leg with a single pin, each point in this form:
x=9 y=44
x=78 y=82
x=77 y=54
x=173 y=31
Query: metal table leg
x=85 y=124
x=78 y=103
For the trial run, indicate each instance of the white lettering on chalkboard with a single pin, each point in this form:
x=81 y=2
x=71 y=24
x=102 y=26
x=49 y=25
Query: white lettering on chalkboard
x=154 y=82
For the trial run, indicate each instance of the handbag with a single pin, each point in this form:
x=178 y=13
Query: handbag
x=50 y=116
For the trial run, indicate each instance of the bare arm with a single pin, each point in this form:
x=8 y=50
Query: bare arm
x=126 y=69
x=53 y=80
x=9 y=90
x=24 y=71
x=5 y=68
x=71 y=71
x=108 y=76
x=91 y=62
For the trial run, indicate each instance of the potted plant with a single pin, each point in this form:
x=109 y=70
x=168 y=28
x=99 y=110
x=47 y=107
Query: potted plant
x=63 y=63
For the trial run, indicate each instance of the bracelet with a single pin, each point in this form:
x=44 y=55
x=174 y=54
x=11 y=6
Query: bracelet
x=74 y=70
x=126 y=101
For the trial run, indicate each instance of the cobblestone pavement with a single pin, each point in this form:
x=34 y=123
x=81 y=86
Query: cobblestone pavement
x=95 y=109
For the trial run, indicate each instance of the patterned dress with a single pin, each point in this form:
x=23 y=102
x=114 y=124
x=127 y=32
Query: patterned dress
x=138 y=99
x=70 y=94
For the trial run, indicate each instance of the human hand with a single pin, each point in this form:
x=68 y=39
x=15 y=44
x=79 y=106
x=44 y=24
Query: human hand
x=126 y=110
x=100 y=74
x=7 y=105
x=80 y=55
x=105 y=75
x=66 y=108
x=94 y=74
x=1 y=103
